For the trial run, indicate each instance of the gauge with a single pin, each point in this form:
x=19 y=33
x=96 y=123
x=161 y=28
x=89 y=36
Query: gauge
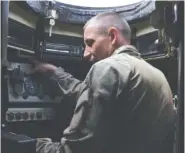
x=30 y=86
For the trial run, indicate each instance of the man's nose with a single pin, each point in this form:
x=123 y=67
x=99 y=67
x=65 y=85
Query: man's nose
x=87 y=54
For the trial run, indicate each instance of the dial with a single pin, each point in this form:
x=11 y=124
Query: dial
x=30 y=87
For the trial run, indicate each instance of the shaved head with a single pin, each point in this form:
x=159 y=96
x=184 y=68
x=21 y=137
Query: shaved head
x=106 y=20
x=103 y=34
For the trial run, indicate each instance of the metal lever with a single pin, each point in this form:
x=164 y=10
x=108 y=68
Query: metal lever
x=51 y=23
x=51 y=15
x=17 y=80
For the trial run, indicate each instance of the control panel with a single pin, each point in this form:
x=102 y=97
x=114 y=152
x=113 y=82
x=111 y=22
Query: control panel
x=23 y=87
x=62 y=47
x=29 y=114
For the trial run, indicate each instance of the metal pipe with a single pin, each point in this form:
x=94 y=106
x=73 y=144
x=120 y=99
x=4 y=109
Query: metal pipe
x=4 y=30
x=180 y=85
x=4 y=62
x=180 y=104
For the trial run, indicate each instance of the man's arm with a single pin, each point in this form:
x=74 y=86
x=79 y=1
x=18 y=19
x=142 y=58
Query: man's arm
x=67 y=84
x=86 y=132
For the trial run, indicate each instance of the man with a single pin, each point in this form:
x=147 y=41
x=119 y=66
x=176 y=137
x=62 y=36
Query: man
x=124 y=105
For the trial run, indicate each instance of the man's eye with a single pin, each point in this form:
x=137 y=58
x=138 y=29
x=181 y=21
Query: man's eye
x=89 y=43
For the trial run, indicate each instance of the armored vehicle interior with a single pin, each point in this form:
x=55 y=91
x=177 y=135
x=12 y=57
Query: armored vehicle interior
x=52 y=31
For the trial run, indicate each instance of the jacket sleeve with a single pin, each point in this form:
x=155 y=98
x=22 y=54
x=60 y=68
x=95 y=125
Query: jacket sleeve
x=95 y=100
x=68 y=85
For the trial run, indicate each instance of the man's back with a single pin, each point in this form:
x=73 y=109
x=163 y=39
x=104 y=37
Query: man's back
x=142 y=113
x=124 y=105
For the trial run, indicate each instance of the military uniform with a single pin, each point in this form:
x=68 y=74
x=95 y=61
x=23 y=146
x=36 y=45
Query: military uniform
x=124 y=105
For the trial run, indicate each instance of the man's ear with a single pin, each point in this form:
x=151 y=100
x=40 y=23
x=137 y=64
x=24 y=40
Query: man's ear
x=112 y=32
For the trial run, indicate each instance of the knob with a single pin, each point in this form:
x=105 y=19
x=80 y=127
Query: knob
x=25 y=95
x=25 y=116
x=18 y=116
x=10 y=116
x=39 y=115
x=32 y=115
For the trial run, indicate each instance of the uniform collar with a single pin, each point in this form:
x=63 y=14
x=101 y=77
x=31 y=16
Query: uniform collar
x=129 y=49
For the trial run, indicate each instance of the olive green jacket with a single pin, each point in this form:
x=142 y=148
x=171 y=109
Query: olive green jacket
x=124 y=105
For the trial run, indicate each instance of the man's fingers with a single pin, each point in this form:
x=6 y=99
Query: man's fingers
x=35 y=68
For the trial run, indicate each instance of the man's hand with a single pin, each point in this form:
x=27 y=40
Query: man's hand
x=43 y=67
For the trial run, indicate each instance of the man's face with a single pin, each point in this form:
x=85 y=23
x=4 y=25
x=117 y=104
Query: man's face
x=97 y=46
